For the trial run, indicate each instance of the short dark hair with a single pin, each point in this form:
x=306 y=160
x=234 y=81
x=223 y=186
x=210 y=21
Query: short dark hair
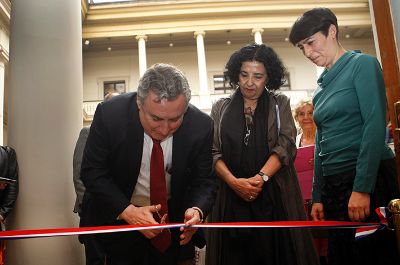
x=260 y=53
x=166 y=81
x=313 y=21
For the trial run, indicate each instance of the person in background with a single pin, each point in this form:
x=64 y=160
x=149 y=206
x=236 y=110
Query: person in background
x=93 y=252
x=148 y=160
x=8 y=187
x=303 y=114
x=8 y=181
x=253 y=150
x=354 y=170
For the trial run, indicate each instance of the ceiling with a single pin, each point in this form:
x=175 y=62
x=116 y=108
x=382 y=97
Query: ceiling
x=116 y=25
x=217 y=37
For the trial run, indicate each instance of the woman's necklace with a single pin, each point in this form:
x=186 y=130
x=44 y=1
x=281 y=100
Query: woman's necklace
x=250 y=105
x=248 y=117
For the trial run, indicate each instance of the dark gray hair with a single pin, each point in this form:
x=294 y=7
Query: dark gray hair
x=166 y=81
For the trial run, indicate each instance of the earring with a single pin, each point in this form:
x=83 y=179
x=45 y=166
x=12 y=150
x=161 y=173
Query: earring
x=237 y=86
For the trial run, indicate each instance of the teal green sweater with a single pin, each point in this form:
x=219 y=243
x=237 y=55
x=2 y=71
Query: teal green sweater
x=350 y=114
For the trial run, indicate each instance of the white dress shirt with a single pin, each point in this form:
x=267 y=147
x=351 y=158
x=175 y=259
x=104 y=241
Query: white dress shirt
x=141 y=193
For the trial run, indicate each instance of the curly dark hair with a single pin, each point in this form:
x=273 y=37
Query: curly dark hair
x=260 y=53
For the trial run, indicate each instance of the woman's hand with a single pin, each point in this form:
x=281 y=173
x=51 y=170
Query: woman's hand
x=317 y=212
x=247 y=189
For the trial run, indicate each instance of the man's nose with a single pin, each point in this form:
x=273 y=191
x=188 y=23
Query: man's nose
x=165 y=129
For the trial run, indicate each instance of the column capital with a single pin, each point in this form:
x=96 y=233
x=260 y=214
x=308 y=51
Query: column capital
x=255 y=30
x=196 y=33
x=144 y=37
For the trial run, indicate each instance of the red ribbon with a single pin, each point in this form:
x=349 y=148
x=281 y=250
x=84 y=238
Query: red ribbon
x=36 y=233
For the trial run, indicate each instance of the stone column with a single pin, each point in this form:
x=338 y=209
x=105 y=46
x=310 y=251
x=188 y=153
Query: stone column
x=257 y=35
x=204 y=93
x=142 y=53
x=44 y=120
x=201 y=62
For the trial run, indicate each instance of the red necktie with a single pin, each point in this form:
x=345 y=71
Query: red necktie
x=158 y=194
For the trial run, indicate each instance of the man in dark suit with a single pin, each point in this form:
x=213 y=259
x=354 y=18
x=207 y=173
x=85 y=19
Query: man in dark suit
x=93 y=251
x=118 y=159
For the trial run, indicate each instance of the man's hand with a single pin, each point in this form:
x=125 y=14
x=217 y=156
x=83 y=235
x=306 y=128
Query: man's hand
x=317 y=212
x=142 y=215
x=358 y=206
x=192 y=217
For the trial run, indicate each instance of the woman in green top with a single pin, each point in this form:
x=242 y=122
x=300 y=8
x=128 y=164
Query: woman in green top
x=350 y=149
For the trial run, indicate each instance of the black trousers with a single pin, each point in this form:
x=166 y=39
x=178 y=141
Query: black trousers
x=132 y=248
x=94 y=252
x=376 y=249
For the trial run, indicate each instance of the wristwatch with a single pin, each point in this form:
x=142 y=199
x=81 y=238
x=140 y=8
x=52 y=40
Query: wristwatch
x=264 y=176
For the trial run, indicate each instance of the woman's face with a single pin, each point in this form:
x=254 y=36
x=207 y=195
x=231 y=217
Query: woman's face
x=305 y=117
x=252 y=79
x=320 y=49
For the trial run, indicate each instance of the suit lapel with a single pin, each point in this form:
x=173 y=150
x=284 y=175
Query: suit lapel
x=135 y=143
x=180 y=147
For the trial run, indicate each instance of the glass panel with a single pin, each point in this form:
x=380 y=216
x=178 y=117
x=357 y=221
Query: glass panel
x=220 y=84
x=114 y=86
x=286 y=85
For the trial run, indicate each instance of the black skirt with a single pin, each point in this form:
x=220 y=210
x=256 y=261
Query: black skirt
x=256 y=246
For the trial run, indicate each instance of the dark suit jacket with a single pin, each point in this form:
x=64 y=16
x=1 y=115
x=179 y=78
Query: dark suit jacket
x=113 y=154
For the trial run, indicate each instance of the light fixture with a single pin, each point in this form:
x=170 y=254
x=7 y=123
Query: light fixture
x=87 y=42
x=109 y=47
x=171 y=44
x=228 y=42
x=347 y=36
x=286 y=39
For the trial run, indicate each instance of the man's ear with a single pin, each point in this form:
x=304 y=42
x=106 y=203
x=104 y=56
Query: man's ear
x=138 y=104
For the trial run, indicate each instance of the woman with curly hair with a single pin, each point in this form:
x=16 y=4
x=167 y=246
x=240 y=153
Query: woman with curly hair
x=253 y=151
